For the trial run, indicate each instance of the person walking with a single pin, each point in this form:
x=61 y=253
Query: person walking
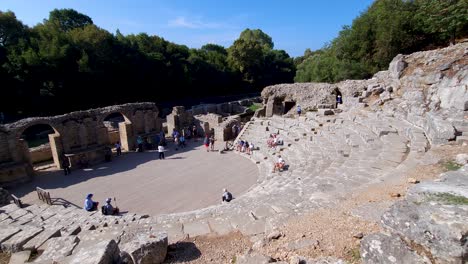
x=206 y=142
x=161 y=151
x=118 y=148
x=299 y=110
x=66 y=164
x=212 y=142
x=140 y=143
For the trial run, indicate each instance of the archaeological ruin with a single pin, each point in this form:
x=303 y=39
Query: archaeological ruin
x=385 y=127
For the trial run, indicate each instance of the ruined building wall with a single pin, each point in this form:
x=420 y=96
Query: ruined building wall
x=81 y=136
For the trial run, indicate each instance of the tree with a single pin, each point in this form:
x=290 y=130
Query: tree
x=448 y=19
x=257 y=36
x=11 y=29
x=68 y=19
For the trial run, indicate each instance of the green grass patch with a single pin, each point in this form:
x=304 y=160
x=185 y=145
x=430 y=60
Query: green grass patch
x=448 y=198
x=354 y=255
x=254 y=107
x=451 y=166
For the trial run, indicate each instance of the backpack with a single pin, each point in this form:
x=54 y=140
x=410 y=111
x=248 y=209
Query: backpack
x=104 y=210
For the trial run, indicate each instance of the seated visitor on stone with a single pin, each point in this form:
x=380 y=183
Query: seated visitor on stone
x=89 y=204
x=227 y=196
x=279 y=165
x=240 y=145
x=108 y=209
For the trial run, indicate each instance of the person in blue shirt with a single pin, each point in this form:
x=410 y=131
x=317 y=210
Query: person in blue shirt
x=299 y=110
x=89 y=204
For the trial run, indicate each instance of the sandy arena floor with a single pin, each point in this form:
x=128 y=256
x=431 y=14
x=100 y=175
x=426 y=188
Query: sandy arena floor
x=187 y=179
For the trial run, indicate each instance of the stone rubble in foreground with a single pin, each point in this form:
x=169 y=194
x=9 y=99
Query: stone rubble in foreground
x=379 y=134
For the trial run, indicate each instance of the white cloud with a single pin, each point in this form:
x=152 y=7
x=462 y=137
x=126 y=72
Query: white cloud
x=183 y=22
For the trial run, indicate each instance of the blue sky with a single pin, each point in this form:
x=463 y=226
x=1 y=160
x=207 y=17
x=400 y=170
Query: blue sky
x=294 y=25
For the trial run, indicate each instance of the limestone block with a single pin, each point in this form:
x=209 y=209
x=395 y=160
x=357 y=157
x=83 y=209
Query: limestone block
x=397 y=65
x=42 y=237
x=16 y=242
x=325 y=112
x=58 y=248
x=380 y=248
x=8 y=231
x=20 y=257
x=462 y=159
x=104 y=252
x=147 y=248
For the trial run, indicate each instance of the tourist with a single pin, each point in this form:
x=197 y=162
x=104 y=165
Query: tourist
x=140 y=144
x=299 y=110
x=240 y=145
x=251 y=147
x=338 y=100
x=108 y=209
x=182 y=141
x=194 y=133
x=161 y=151
x=227 y=196
x=65 y=164
x=89 y=204
x=188 y=134
x=279 y=165
x=212 y=141
x=118 y=148
x=245 y=146
x=206 y=142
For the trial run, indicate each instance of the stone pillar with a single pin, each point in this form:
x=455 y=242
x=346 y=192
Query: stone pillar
x=269 y=107
x=172 y=122
x=56 y=148
x=126 y=136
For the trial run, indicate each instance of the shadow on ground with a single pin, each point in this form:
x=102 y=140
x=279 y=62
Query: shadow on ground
x=56 y=179
x=182 y=251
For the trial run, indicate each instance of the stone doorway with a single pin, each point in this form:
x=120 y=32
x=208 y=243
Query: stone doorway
x=116 y=125
x=38 y=148
x=288 y=105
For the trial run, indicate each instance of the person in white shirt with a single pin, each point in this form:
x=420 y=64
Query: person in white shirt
x=279 y=165
x=161 y=151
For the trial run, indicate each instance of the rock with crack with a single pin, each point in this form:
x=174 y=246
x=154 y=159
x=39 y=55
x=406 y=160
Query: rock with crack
x=148 y=247
x=385 y=249
x=58 y=248
x=104 y=252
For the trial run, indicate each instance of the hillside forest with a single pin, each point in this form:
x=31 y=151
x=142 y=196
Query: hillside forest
x=67 y=63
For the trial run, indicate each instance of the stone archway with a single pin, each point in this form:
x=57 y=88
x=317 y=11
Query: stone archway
x=119 y=129
x=39 y=143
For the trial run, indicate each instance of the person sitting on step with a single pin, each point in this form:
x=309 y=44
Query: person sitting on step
x=227 y=196
x=279 y=165
x=89 y=204
x=108 y=209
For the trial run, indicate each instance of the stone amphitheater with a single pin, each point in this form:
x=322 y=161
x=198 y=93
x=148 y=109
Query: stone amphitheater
x=385 y=127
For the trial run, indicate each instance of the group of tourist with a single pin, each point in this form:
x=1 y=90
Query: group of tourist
x=209 y=142
x=245 y=147
x=107 y=209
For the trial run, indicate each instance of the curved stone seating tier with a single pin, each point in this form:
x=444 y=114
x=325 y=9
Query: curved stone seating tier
x=328 y=158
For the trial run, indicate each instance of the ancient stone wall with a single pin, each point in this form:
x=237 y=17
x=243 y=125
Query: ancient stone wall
x=81 y=136
x=428 y=89
x=40 y=153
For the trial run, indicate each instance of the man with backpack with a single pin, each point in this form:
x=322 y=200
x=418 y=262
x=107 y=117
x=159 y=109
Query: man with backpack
x=108 y=209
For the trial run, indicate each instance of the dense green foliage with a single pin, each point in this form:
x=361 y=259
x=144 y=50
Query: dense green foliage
x=67 y=63
x=385 y=29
